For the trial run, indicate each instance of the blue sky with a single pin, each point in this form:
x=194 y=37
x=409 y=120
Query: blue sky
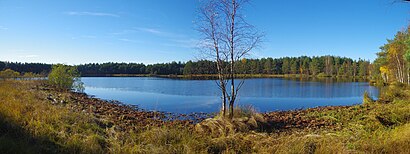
x=152 y=31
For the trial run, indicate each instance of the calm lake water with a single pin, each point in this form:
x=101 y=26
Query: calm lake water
x=187 y=96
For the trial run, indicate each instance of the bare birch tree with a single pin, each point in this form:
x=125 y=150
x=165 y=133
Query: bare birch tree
x=210 y=28
x=229 y=38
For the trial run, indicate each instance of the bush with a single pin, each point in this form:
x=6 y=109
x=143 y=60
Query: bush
x=395 y=90
x=8 y=73
x=323 y=75
x=65 y=77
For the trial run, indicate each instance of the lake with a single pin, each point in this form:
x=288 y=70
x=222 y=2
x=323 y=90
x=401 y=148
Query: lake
x=264 y=94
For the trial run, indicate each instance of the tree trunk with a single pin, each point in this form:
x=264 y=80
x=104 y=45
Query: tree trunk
x=233 y=94
x=224 y=105
x=220 y=76
x=408 y=76
x=232 y=71
x=400 y=70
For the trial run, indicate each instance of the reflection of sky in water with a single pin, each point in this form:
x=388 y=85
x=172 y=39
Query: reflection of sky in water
x=185 y=96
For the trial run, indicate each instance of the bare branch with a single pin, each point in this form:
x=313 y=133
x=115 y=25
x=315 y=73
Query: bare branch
x=227 y=37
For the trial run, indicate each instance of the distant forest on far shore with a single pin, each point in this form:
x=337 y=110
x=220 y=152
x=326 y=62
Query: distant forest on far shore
x=315 y=66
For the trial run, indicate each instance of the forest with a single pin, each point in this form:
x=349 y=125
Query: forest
x=304 y=65
x=393 y=61
x=37 y=68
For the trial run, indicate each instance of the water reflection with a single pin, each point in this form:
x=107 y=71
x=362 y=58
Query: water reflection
x=185 y=96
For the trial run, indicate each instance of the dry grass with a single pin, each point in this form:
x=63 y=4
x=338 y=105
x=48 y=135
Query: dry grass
x=43 y=126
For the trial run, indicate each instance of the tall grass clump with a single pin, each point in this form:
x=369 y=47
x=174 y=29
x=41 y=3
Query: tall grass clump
x=367 y=99
x=245 y=119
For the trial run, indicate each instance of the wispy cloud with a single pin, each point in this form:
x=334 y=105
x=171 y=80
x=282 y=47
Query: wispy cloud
x=83 y=37
x=130 y=40
x=74 y=13
x=139 y=29
x=183 y=43
x=170 y=39
x=124 y=32
x=23 y=53
x=150 y=30
x=29 y=56
x=3 y=28
x=88 y=36
x=154 y=31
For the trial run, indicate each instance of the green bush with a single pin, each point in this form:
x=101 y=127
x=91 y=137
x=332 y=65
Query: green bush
x=323 y=75
x=65 y=77
x=395 y=90
x=8 y=73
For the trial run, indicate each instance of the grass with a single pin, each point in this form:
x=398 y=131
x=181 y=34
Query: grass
x=43 y=127
x=29 y=123
x=29 y=120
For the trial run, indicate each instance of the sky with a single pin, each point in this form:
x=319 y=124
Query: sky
x=157 y=31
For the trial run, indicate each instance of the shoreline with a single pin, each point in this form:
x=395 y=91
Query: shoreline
x=211 y=76
x=280 y=121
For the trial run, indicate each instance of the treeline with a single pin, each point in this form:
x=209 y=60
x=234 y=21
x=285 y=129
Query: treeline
x=315 y=66
x=36 y=68
x=393 y=61
x=100 y=69
x=131 y=68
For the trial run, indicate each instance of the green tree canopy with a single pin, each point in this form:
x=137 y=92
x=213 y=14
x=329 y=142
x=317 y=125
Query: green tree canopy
x=188 y=68
x=65 y=77
x=407 y=56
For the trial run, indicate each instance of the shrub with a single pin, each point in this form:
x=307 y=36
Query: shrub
x=395 y=90
x=322 y=75
x=65 y=77
x=8 y=73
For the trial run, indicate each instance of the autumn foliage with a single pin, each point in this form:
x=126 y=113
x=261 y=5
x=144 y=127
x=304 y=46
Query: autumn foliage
x=394 y=59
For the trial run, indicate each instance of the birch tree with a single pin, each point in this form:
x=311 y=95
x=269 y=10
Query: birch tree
x=393 y=60
x=209 y=26
x=227 y=37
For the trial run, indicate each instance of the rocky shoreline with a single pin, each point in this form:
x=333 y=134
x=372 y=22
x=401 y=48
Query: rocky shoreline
x=110 y=113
